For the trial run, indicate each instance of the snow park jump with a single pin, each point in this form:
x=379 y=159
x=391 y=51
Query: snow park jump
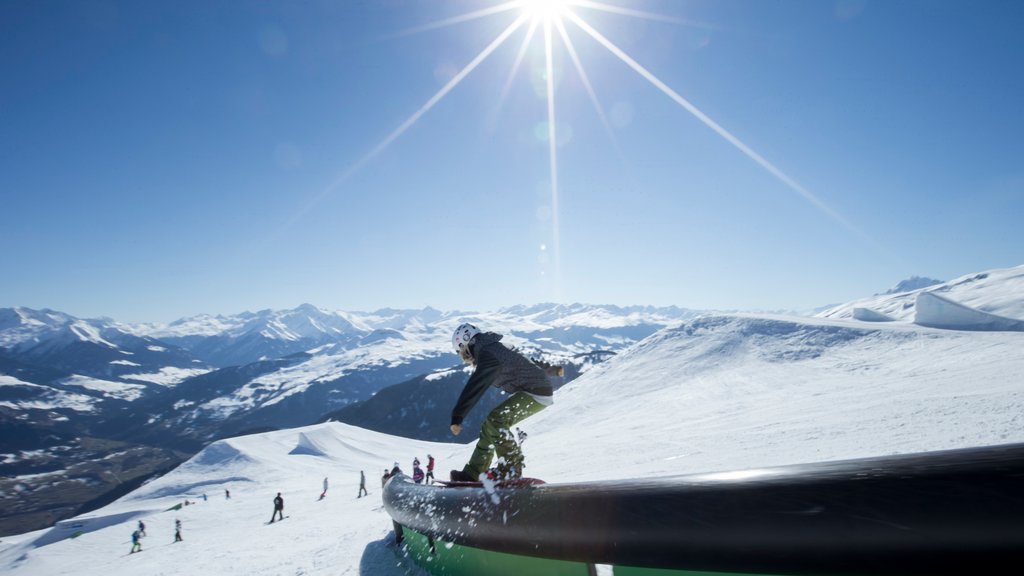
x=945 y=512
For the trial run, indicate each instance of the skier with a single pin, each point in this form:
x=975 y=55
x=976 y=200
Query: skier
x=417 y=472
x=278 y=508
x=136 y=542
x=324 y=493
x=529 y=389
x=227 y=494
x=142 y=529
x=177 y=530
x=362 y=485
x=430 y=469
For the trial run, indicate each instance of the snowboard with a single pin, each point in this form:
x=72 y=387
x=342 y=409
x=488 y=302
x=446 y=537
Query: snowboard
x=513 y=483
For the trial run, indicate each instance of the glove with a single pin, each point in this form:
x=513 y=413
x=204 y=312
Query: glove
x=456 y=428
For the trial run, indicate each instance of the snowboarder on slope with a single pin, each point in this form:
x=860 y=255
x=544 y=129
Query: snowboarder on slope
x=136 y=542
x=430 y=469
x=324 y=493
x=177 y=530
x=142 y=529
x=278 y=508
x=362 y=485
x=529 y=389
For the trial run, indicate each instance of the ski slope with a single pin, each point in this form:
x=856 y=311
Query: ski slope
x=718 y=393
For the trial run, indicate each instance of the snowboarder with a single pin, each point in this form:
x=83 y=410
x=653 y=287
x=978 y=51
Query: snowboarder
x=430 y=469
x=417 y=472
x=529 y=389
x=324 y=493
x=520 y=435
x=278 y=508
x=177 y=530
x=142 y=529
x=362 y=485
x=384 y=479
x=227 y=494
x=136 y=542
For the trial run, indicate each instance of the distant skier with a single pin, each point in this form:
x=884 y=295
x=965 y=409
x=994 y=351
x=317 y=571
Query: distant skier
x=324 y=493
x=362 y=485
x=430 y=469
x=417 y=472
x=177 y=530
x=278 y=508
x=384 y=479
x=227 y=494
x=529 y=389
x=520 y=436
x=204 y=496
x=142 y=529
x=136 y=542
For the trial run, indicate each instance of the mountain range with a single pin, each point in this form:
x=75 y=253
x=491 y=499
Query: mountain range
x=101 y=405
x=714 y=396
x=91 y=408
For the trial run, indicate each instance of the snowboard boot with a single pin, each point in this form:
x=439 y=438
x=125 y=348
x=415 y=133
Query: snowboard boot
x=462 y=476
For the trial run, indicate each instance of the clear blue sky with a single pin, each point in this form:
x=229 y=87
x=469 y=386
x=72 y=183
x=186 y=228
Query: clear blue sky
x=164 y=159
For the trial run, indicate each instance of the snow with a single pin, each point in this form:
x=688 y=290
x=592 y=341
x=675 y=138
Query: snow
x=720 y=393
x=999 y=292
x=939 y=312
x=6 y=380
x=109 y=388
x=45 y=398
x=167 y=376
x=88 y=333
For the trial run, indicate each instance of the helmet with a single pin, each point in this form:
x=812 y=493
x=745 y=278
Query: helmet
x=463 y=335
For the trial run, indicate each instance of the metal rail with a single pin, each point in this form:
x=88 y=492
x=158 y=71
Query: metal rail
x=948 y=512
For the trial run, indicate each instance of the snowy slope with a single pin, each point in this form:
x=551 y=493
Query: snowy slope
x=717 y=393
x=999 y=292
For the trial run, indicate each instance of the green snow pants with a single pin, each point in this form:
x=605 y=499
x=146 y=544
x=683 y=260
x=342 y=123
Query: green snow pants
x=496 y=435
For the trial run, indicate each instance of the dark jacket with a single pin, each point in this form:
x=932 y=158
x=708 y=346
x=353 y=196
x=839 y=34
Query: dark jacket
x=498 y=366
x=278 y=503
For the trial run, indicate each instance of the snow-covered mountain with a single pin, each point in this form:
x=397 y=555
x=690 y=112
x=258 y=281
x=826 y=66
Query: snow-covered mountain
x=325 y=361
x=714 y=393
x=63 y=379
x=997 y=292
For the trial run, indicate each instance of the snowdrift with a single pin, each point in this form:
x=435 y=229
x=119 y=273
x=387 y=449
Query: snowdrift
x=999 y=292
x=936 y=311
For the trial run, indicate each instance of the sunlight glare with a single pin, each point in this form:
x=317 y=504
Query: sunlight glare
x=544 y=10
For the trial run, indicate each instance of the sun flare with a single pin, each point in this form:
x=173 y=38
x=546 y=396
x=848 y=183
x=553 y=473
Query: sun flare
x=545 y=23
x=544 y=10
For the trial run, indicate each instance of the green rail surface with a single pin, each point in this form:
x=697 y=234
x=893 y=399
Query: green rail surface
x=449 y=559
x=455 y=560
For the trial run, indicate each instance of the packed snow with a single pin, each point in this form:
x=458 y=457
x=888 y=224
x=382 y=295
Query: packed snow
x=999 y=292
x=717 y=393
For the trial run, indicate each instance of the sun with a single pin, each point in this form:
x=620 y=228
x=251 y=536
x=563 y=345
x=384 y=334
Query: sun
x=544 y=10
x=547 y=22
